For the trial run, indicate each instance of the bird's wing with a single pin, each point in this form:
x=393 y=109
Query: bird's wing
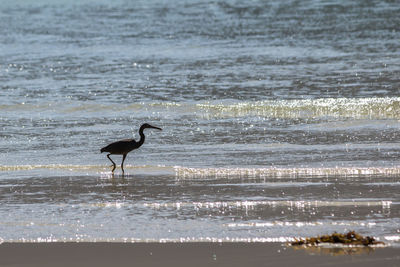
x=126 y=141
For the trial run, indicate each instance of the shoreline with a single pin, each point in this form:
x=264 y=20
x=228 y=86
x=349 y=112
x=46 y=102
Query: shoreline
x=191 y=254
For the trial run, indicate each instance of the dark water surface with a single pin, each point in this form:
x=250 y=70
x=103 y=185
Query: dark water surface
x=280 y=119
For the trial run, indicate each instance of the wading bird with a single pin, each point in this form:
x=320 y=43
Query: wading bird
x=123 y=147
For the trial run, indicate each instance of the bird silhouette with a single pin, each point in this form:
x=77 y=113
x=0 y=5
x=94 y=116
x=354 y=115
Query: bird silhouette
x=123 y=147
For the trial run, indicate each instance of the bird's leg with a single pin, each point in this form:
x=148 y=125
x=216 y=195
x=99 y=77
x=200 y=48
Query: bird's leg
x=108 y=156
x=122 y=164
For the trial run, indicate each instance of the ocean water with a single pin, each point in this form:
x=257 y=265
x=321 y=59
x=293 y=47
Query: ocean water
x=281 y=119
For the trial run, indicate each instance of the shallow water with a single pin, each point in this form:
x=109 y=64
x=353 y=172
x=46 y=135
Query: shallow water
x=279 y=120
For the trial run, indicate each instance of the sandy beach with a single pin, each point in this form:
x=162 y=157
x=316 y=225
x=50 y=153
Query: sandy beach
x=190 y=254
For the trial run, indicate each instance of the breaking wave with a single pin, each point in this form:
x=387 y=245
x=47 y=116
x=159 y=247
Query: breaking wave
x=358 y=108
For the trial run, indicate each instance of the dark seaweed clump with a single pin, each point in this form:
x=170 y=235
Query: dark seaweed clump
x=351 y=238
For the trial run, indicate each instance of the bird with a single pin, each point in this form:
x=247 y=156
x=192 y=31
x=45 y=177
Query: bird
x=123 y=147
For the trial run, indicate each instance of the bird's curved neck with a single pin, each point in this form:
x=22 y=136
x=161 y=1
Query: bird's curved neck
x=142 y=137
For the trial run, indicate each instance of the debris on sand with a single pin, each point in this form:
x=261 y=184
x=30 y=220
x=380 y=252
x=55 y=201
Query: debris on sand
x=351 y=238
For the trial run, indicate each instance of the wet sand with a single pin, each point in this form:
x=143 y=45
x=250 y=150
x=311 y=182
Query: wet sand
x=190 y=254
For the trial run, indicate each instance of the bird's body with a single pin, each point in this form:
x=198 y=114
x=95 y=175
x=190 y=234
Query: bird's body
x=123 y=147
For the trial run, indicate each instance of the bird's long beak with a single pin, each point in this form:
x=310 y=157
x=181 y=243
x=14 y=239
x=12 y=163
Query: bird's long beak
x=155 y=128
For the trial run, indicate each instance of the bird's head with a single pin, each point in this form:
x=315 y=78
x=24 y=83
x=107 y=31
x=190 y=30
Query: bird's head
x=146 y=125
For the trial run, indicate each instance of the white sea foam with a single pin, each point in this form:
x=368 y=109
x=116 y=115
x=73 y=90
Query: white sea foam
x=103 y=169
x=185 y=172
x=182 y=172
x=368 y=108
